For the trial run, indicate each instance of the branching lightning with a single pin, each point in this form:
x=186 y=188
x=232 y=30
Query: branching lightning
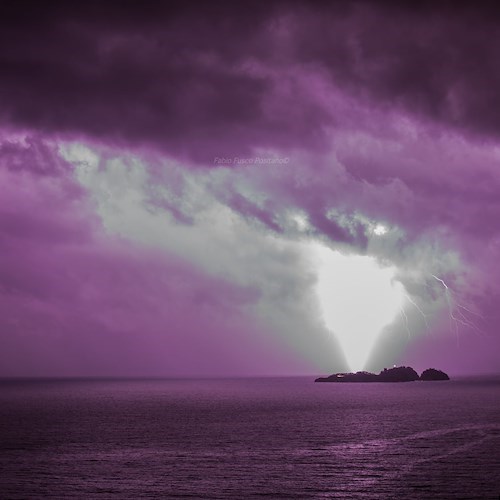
x=460 y=315
x=424 y=316
x=404 y=314
x=458 y=311
x=405 y=318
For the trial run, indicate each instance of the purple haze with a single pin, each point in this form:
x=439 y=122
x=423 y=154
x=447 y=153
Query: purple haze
x=383 y=112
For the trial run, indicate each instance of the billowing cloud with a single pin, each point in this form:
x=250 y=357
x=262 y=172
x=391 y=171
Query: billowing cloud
x=173 y=165
x=78 y=301
x=203 y=81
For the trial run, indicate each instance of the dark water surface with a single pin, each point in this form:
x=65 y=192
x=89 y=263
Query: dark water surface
x=249 y=438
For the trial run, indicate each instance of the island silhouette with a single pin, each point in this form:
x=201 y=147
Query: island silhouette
x=396 y=374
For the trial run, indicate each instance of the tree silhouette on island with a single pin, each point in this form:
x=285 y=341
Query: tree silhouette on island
x=396 y=374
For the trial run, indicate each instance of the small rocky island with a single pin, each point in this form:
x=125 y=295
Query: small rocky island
x=433 y=374
x=396 y=374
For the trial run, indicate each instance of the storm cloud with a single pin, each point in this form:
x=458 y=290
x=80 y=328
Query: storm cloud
x=117 y=220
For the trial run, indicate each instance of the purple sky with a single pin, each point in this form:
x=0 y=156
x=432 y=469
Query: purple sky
x=131 y=246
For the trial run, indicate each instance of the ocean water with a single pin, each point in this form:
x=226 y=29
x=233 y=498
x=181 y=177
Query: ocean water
x=249 y=438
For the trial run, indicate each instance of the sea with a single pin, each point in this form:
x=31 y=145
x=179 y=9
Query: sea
x=275 y=438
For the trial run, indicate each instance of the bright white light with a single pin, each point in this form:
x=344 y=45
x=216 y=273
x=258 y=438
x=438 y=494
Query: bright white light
x=300 y=221
x=379 y=229
x=358 y=299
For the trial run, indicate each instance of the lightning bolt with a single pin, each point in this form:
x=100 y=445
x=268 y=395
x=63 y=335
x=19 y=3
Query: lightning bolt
x=458 y=311
x=404 y=315
x=405 y=318
x=424 y=316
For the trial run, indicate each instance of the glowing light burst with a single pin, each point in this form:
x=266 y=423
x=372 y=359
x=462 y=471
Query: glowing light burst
x=380 y=230
x=358 y=299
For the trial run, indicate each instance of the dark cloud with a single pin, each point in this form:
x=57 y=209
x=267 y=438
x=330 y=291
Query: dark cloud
x=437 y=60
x=147 y=72
x=197 y=79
